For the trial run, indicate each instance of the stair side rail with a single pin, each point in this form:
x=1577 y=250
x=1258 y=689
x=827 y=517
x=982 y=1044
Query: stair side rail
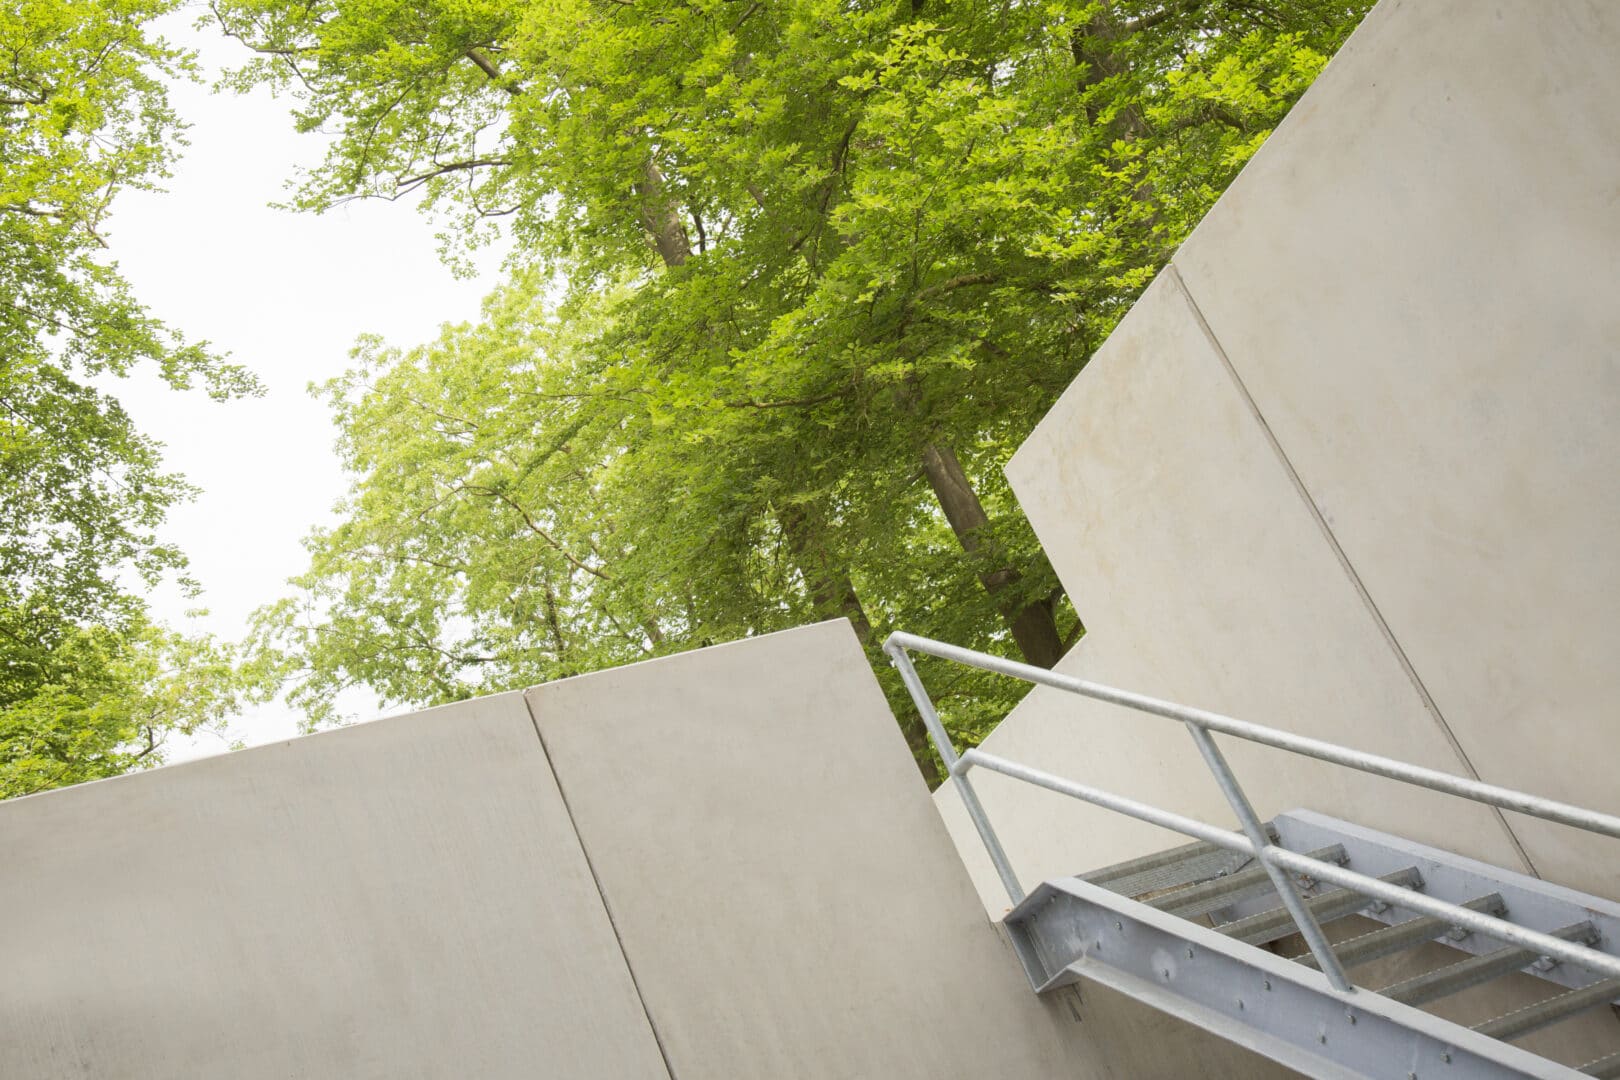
x=1277 y=861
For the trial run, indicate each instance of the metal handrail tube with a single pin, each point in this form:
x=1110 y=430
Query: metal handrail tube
x=1287 y=891
x=947 y=754
x=1418 y=775
x=1499 y=929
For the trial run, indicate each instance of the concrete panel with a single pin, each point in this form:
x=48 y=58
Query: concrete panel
x=400 y=899
x=1417 y=280
x=787 y=898
x=1183 y=541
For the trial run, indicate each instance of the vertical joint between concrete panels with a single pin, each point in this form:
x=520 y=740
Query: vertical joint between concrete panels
x=1348 y=567
x=607 y=908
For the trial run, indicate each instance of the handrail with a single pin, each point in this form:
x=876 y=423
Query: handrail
x=1434 y=779
x=1254 y=842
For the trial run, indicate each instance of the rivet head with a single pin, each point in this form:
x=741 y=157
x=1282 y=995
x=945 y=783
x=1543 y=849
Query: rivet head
x=1118 y=925
x=1268 y=984
x=1240 y=1004
x=1445 y=1056
x=1189 y=954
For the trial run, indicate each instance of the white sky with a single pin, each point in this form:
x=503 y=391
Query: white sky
x=286 y=295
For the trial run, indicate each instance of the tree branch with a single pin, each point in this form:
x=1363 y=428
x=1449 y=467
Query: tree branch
x=790 y=403
x=534 y=527
x=961 y=281
x=488 y=67
x=1169 y=11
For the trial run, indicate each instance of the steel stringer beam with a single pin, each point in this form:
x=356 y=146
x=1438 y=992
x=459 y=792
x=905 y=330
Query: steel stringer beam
x=1069 y=930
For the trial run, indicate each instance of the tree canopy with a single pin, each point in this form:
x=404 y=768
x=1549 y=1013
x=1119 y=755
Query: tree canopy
x=112 y=698
x=84 y=114
x=794 y=278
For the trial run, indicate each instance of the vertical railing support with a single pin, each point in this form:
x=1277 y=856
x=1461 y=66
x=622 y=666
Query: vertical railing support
x=947 y=754
x=1309 y=928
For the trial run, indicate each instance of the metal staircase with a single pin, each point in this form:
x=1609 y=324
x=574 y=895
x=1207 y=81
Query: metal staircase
x=1205 y=932
x=1131 y=927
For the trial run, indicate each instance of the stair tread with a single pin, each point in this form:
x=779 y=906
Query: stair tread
x=1170 y=869
x=1276 y=922
x=1605 y=1068
x=1550 y=1010
x=1203 y=897
x=1405 y=935
x=1445 y=981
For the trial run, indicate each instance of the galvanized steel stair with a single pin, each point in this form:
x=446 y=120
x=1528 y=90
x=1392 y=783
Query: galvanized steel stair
x=1187 y=931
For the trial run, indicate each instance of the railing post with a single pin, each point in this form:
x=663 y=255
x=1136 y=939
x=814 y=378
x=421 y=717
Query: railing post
x=947 y=754
x=1309 y=928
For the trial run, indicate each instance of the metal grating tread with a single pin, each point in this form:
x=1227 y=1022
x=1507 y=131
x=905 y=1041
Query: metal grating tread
x=1394 y=939
x=1276 y=922
x=1550 y=1010
x=1606 y=1068
x=1152 y=875
x=1203 y=897
x=1443 y=982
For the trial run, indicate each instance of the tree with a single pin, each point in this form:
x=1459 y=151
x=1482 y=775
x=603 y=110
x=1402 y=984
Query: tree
x=111 y=700
x=83 y=115
x=838 y=259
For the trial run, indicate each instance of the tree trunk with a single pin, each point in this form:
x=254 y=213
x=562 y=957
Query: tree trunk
x=1033 y=627
x=831 y=592
x=1093 y=49
x=660 y=218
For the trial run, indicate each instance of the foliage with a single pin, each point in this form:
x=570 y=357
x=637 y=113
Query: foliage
x=83 y=115
x=110 y=700
x=827 y=263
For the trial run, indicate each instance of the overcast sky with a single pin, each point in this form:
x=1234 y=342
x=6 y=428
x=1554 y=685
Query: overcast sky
x=285 y=294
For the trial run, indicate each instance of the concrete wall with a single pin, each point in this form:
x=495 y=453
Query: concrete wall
x=1418 y=284
x=1348 y=467
x=400 y=899
x=718 y=865
x=788 y=900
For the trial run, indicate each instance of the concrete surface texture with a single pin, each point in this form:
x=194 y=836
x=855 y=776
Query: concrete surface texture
x=1347 y=468
x=718 y=865
x=788 y=901
x=1205 y=582
x=787 y=898
x=1418 y=282
x=399 y=899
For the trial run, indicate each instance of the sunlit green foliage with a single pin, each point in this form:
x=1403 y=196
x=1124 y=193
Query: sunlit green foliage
x=826 y=262
x=108 y=701
x=83 y=115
